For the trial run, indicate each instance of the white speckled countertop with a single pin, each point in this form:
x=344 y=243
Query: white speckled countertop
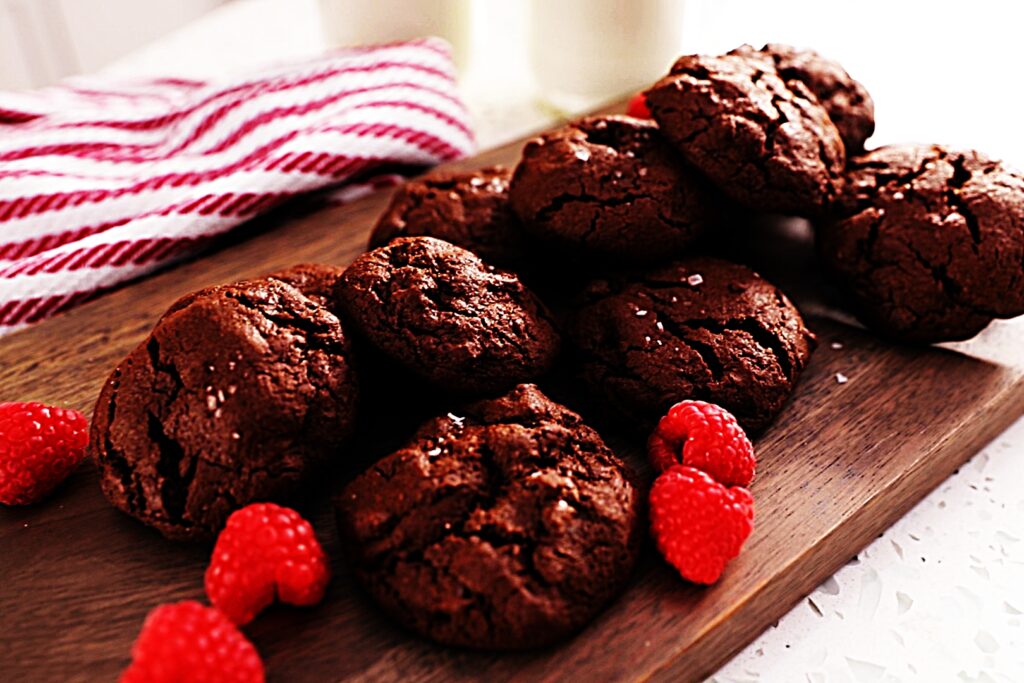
x=940 y=595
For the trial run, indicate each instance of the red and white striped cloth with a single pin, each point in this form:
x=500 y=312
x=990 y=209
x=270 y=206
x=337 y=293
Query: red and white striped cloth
x=101 y=184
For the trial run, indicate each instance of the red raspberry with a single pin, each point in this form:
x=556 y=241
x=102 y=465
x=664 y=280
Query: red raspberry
x=40 y=445
x=265 y=549
x=187 y=641
x=704 y=436
x=638 y=107
x=698 y=524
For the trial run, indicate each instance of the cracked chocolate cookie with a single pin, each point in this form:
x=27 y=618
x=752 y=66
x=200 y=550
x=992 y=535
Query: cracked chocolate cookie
x=239 y=394
x=612 y=186
x=700 y=328
x=448 y=317
x=467 y=208
x=764 y=141
x=847 y=101
x=929 y=242
x=507 y=526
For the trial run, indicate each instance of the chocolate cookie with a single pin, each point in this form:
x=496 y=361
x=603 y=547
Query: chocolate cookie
x=847 y=102
x=507 y=526
x=765 y=141
x=612 y=186
x=447 y=316
x=240 y=393
x=467 y=208
x=929 y=242
x=700 y=328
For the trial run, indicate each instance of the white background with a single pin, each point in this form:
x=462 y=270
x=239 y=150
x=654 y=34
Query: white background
x=42 y=40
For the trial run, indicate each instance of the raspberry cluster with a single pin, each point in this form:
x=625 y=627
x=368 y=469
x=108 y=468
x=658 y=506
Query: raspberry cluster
x=264 y=551
x=701 y=513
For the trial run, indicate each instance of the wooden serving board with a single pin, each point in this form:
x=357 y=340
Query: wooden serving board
x=839 y=466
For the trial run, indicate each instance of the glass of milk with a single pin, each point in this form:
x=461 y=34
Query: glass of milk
x=364 y=22
x=584 y=52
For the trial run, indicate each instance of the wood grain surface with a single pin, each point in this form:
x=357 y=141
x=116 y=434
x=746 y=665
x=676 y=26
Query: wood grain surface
x=840 y=465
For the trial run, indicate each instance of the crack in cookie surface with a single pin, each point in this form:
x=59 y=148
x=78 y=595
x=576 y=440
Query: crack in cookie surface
x=848 y=103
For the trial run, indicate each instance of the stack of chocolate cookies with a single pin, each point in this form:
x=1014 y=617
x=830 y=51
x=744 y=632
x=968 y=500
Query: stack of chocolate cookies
x=504 y=521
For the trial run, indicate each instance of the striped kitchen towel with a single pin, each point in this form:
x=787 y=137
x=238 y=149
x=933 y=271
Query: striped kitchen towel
x=100 y=184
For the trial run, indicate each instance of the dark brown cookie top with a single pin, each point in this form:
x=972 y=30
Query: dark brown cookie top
x=612 y=186
x=239 y=394
x=700 y=328
x=444 y=314
x=764 y=141
x=847 y=102
x=318 y=281
x=507 y=526
x=929 y=242
x=467 y=208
